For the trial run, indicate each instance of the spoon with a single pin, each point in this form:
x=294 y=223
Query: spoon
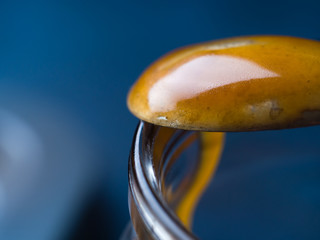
x=237 y=84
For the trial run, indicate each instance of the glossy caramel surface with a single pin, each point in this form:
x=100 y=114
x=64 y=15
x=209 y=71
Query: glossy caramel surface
x=237 y=84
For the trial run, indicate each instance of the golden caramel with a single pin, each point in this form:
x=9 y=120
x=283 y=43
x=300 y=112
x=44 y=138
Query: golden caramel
x=211 y=149
x=238 y=84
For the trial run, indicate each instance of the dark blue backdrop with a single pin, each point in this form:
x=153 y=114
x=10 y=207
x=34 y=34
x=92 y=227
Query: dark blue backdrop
x=84 y=55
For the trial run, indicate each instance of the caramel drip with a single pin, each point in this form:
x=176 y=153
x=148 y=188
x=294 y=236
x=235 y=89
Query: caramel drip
x=211 y=149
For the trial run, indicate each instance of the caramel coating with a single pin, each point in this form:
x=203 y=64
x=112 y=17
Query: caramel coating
x=237 y=84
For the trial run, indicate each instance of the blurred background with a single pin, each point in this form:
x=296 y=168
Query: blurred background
x=65 y=131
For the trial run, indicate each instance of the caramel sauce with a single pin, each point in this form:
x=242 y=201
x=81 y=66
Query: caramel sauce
x=211 y=149
x=237 y=84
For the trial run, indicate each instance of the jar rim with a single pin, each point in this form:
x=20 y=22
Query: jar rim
x=156 y=219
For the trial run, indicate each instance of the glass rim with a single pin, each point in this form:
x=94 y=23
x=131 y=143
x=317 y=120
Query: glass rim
x=156 y=219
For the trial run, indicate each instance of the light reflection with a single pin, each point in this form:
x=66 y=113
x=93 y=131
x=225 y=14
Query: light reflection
x=229 y=44
x=2 y=203
x=21 y=153
x=200 y=75
x=18 y=140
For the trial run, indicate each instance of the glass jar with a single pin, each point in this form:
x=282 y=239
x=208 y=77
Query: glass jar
x=162 y=167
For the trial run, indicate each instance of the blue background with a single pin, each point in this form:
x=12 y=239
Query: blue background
x=75 y=61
